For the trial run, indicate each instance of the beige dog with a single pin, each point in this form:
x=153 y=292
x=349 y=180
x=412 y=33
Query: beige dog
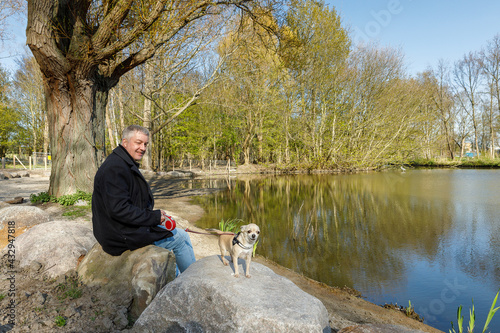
x=239 y=245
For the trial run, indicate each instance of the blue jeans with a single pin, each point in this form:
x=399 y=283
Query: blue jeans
x=180 y=244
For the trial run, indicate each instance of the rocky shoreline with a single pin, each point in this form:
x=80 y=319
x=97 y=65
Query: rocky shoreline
x=345 y=308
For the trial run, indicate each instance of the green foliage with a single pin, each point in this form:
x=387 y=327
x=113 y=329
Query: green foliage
x=65 y=200
x=481 y=162
x=472 y=318
x=60 y=321
x=42 y=197
x=2 y=296
x=13 y=133
x=71 y=199
x=229 y=225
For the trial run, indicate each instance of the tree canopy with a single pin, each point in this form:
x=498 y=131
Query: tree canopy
x=83 y=48
x=241 y=81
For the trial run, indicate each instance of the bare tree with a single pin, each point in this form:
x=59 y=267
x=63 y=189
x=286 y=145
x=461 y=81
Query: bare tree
x=467 y=79
x=490 y=63
x=443 y=102
x=29 y=94
x=7 y=9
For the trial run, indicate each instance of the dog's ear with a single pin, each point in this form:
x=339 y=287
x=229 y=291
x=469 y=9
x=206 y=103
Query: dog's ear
x=243 y=228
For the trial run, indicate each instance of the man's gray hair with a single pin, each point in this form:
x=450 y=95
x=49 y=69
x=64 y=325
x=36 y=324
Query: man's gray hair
x=132 y=129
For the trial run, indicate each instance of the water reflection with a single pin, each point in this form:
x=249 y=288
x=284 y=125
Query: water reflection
x=373 y=231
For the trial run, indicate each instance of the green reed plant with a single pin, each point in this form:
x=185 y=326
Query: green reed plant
x=254 y=248
x=409 y=309
x=472 y=318
x=229 y=225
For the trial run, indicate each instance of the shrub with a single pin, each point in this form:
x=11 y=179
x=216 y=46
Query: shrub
x=65 y=200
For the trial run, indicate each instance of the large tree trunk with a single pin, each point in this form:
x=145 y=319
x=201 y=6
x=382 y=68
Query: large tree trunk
x=109 y=125
x=76 y=109
x=148 y=91
x=46 y=138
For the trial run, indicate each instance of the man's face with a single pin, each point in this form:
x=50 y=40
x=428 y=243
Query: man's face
x=136 y=145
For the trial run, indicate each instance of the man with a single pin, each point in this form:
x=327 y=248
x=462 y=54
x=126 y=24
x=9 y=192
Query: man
x=123 y=217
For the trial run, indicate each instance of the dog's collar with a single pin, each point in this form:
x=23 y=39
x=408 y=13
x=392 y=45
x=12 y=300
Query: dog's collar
x=237 y=242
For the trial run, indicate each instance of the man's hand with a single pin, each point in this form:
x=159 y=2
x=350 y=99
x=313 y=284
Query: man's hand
x=167 y=221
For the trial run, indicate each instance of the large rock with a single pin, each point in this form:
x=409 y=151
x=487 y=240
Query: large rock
x=207 y=298
x=133 y=277
x=14 y=220
x=23 y=216
x=57 y=245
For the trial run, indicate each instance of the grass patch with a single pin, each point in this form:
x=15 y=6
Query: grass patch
x=60 y=321
x=76 y=211
x=71 y=288
x=464 y=162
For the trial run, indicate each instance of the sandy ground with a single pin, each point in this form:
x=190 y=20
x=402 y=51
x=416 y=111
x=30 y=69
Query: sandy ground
x=344 y=307
x=23 y=187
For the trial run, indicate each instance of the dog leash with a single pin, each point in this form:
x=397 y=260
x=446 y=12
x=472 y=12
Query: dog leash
x=208 y=233
x=235 y=239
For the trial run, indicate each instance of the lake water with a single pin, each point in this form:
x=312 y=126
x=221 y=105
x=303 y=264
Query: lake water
x=431 y=237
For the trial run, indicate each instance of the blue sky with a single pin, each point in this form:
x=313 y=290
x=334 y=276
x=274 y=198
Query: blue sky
x=425 y=30
x=14 y=48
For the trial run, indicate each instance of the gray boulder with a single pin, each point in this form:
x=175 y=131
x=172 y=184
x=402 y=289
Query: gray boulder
x=175 y=174
x=207 y=298
x=24 y=173
x=57 y=245
x=23 y=216
x=133 y=277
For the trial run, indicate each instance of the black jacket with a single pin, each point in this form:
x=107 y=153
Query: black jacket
x=122 y=206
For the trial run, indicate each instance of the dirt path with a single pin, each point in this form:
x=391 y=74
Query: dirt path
x=344 y=307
